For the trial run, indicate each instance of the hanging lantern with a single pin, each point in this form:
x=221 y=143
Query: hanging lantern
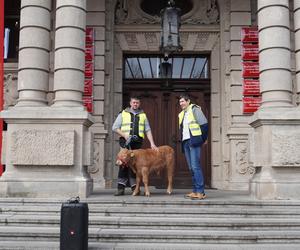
x=170 y=24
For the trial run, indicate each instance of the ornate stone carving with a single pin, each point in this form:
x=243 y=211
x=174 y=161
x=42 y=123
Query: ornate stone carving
x=42 y=147
x=285 y=148
x=242 y=159
x=189 y=41
x=10 y=90
x=203 y=12
x=95 y=167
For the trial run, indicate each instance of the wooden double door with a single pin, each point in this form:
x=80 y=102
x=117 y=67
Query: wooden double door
x=162 y=108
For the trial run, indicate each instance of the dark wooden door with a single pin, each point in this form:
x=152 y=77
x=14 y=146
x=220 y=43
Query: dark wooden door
x=162 y=108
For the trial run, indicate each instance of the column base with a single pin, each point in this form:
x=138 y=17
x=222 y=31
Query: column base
x=276 y=184
x=275 y=154
x=47 y=152
x=56 y=188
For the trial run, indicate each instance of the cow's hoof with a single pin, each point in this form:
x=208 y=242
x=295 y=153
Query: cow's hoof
x=147 y=194
x=136 y=193
x=169 y=193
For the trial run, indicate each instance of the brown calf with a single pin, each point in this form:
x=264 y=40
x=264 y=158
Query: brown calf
x=145 y=161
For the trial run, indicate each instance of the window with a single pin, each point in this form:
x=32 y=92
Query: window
x=154 y=7
x=188 y=67
x=11 y=29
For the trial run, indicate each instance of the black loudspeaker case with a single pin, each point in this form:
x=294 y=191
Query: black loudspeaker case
x=74 y=226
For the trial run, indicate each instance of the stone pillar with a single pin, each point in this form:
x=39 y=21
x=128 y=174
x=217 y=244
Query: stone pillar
x=69 y=52
x=274 y=53
x=34 y=52
x=48 y=149
x=297 y=45
x=276 y=138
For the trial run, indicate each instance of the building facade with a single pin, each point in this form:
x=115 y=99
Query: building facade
x=53 y=145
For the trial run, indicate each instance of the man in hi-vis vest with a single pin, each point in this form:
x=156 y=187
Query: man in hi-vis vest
x=132 y=125
x=194 y=131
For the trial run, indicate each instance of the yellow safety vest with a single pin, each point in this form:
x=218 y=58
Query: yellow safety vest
x=127 y=124
x=193 y=125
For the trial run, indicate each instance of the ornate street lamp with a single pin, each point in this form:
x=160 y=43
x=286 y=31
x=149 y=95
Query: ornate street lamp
x=170 y=24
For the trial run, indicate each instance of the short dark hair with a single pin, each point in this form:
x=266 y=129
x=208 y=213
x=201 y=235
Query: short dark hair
x=135 y=98
x=185 y=97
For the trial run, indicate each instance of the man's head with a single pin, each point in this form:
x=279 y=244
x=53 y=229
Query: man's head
x=184 y=101
x=135 y=102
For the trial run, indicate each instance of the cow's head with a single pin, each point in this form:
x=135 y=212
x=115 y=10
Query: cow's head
x=124 y=157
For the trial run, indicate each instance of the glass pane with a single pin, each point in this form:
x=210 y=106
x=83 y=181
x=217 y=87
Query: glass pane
x=187 y=67
x=155 y=61
x=177 y=65
x=145 y=65
x=128 y=74
x=200 y=63
x=135 y=68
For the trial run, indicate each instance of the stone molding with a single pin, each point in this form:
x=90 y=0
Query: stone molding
x=190 y=41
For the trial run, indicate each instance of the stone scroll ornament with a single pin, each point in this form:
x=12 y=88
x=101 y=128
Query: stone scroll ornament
x=130 y=12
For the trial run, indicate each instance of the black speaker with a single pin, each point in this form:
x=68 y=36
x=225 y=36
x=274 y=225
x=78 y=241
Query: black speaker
x=74 y=223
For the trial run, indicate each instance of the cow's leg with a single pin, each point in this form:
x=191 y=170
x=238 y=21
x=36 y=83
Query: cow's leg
x=138 y=184
x=170 y=173
x=145 y=174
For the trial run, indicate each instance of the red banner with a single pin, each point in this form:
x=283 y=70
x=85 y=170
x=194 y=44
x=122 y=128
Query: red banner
x=250 y=52
x=88 y=87
x=249 y=35
x=250 y=70
x=251 y=104
x=88 y=103
x=251 y=87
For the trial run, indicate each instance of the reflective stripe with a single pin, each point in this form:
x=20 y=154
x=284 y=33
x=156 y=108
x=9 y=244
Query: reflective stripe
x=127 y=124
x=193 y=125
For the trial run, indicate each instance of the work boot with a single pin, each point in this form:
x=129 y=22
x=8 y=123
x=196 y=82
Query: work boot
x=198 y=196
x=120 y=192
x=189 y=195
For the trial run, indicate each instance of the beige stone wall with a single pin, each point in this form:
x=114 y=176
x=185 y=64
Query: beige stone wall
x=232 y=166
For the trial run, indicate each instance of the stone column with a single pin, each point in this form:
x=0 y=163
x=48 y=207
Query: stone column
x=274 y=53
x=34 y=52
x=69 y=52
x=297 y=44
x=48 y=149
x=276 y=137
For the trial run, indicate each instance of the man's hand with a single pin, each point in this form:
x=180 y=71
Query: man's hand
x=153 y=146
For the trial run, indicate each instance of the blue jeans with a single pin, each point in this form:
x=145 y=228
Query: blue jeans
x=192 y=155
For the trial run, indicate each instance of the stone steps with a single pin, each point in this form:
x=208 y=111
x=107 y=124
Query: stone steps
x=158 y=222
x=179 y=222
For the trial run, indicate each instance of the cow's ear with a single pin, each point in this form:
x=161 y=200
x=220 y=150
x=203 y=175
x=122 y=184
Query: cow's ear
x=131 y=154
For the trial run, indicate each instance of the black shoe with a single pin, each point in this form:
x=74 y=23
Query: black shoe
x=119 y=192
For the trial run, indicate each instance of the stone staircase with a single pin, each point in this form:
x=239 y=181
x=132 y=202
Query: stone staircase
x=225 y=220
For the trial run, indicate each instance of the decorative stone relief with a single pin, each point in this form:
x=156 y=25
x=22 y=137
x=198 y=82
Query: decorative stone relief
x=242 y=159
x=42 y=147
x=10 y=90
x=285 y=148
x=203 y=12
x=190 y=41
x=95 y=167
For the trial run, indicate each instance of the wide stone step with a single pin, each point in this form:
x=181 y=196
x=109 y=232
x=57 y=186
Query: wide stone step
x=50 y=245
x=159 y=222
x=155 y=235
x=158 y=211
